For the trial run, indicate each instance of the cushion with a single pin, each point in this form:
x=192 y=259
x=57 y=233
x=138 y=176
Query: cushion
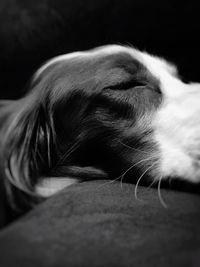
x=101 y=223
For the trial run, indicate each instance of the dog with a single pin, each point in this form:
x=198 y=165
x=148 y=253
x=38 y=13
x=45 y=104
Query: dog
x=109 y=112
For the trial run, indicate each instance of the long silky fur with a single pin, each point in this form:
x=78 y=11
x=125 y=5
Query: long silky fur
x=26 y=147
x=59 y=129
x=30 y=148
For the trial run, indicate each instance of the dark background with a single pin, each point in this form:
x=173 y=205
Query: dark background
x=94 y=223
x=32 y=31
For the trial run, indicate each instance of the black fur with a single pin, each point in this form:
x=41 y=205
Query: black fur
x=79 y=119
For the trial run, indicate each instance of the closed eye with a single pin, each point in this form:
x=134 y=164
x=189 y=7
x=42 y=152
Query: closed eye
x=125 y=85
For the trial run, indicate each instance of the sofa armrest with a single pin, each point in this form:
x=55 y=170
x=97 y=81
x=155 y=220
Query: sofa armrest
x=102 y=224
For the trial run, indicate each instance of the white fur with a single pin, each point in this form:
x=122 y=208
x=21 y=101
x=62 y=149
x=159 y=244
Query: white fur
x=51 y=185
x=177 y=132
x=176 y=123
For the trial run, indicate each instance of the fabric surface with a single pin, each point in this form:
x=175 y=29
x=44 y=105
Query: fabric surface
x=102 y=224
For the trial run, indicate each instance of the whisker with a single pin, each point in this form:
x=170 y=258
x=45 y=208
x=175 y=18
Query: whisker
x=66 y=154
x=122 y=176
x=143 y=160
x=137 y=163
x=135 y=149
x=109 y=182
x=138 y=181
x=151 y=184
x=159 y=194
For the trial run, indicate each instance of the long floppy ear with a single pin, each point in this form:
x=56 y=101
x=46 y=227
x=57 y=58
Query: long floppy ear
x=27 y=138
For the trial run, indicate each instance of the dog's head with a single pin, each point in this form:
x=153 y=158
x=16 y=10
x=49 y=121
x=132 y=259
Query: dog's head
x=105 y=112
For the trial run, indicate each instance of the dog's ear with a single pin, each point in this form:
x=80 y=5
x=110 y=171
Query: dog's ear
x=31 y=147
x=27 y=136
